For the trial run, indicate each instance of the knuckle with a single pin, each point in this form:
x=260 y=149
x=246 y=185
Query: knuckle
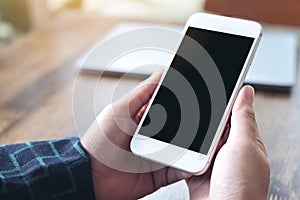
x=261 y=145
x=248 y=113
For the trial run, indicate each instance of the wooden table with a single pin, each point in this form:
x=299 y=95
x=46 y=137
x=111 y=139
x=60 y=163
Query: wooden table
x=37 y=78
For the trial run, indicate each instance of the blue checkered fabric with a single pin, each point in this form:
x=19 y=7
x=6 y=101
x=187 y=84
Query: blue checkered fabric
x=57 y=169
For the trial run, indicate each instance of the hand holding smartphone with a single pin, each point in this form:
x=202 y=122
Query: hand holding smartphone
x=188 y=111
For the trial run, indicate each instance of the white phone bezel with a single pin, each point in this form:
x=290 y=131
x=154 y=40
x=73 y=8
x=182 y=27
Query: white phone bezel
x=187 y=160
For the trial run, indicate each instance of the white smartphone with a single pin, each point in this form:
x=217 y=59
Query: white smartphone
x=188 y=112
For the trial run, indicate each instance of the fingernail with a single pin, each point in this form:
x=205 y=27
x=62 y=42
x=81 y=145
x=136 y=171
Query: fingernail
x=249 y=95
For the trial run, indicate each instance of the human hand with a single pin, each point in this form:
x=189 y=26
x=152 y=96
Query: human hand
x=241 y=168
x=118 y=174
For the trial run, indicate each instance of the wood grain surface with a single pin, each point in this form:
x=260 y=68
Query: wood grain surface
x=37 y=79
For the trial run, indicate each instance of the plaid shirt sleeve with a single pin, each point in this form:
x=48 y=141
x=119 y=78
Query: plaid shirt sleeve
x=57 y=169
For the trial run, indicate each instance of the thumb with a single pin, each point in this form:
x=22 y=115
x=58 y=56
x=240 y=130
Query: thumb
x=243 y=123
x=138 y=97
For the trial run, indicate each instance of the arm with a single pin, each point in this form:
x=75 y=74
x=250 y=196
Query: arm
x=45 y=170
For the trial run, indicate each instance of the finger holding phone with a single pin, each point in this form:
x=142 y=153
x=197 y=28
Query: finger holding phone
x=241 y=166
x=241 y=169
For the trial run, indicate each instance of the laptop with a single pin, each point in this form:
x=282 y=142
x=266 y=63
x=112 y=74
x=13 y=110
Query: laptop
x=274 y=66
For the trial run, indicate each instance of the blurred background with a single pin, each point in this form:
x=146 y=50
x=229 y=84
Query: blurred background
x=20 y=16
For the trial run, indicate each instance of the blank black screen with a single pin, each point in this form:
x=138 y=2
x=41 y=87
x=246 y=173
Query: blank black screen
x=229 y=53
